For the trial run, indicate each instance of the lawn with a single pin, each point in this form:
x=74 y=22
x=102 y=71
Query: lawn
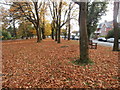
x=27 y=64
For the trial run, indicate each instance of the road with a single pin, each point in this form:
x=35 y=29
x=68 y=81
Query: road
x=104 y=43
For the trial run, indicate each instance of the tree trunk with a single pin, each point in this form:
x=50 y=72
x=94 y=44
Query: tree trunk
x=88 y=32
x=14 y=29
x=59 y=21
x=52 y=33
x=38 y=29
x=69 y=31
x=69 y=23
x=56 y=34
x=43 y=27
x=58 y=41
x=38 y=35
x=65 y=36
x=116 y=31
x=43 y=33
x=84 y=56
x=52 y=29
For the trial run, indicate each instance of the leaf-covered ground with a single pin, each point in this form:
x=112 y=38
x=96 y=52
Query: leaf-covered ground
x=27 y=64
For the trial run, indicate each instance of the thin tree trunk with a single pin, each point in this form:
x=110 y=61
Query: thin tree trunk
x=53 y=28
x=56 y=34
x=69 y=23
x=65 y=36
x=14 y=29
x=116 y=31
x=43 y=28
x=52 y=33
x=69 y=30
x=58 y=41
x=84 y=56
x=43 y=33
x=38 y=35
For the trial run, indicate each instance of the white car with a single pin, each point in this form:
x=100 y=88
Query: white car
x=76 y=38
x=110 y=40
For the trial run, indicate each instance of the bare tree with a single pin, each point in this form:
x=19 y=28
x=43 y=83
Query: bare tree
x=56 y=9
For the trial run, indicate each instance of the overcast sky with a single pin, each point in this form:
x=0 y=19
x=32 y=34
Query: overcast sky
x=109 y=16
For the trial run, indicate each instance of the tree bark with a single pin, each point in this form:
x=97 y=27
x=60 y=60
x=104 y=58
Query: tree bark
x=52 y=35
x=88 y=32
x=43 y=33
x=69 y=31
x=58 y=29
x=69 y=23
x=38 y=34
x=84 y=55
x=65 y=36
x=59 y=21
x=116 y=31
x=56 y=34
x=14 y=29
x=43 y=27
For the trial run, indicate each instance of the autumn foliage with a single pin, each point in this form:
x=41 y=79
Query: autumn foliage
x=27 y=64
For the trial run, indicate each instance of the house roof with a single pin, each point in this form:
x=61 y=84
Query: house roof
x=107 y=24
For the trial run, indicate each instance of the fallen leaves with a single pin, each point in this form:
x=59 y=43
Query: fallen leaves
x=27 y=64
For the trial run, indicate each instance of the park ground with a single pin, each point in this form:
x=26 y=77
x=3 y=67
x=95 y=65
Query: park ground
x=27 y=64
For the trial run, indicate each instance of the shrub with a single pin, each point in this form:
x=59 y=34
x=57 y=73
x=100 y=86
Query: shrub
x=111 y=34
x=6 y=35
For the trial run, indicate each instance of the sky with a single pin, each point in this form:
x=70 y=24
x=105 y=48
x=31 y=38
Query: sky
x=109 y=16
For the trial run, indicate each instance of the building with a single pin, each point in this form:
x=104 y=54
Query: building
x=104 y=28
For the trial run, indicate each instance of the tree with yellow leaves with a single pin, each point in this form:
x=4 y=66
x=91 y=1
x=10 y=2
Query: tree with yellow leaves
x=47 y=29
x=26 y=30
x=29 y=10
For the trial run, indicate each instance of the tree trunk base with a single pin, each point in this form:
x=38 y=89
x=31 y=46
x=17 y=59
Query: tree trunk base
x=82 y=62
x=38 y=41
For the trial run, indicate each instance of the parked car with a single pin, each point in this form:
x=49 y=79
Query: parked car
x=72 y=37
x=76 y=38
x=102 y=39
x=110 y=40
x=62 y=36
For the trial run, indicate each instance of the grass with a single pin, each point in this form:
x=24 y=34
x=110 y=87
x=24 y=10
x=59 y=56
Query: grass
x=116 y=77
x=83 y=62
x=87 y=83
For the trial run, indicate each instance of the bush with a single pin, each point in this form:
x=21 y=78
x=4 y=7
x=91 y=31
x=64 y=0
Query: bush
x=6 y=35
x=111 y=34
